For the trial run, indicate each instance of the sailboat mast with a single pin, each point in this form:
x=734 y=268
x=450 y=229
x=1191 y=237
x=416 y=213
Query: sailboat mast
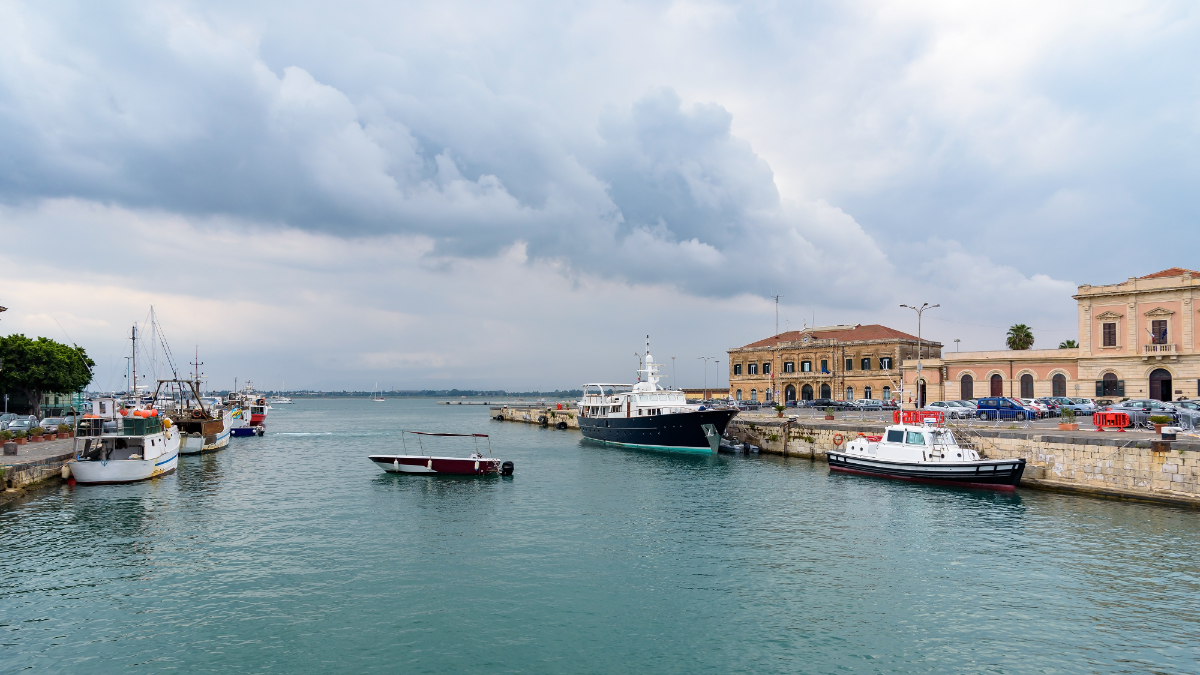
x=133 y=338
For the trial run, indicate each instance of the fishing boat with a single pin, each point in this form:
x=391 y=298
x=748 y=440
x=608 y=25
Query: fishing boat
x=918 y=447
x=644 y=415
x=202 y=426
x=477 y=464
x=250 y=416
x=118 y=444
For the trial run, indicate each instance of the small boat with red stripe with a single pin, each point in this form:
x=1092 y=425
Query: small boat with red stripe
x=918 y=447
x=426 y=462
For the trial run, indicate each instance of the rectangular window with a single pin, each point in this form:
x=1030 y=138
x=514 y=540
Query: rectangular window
x=766 y=369
x=885 y=363
x=789 y=367
x=824 y=366
x=866 y=364
x=1110 y=335
x=1158 y=332
x=752 y=369
x=895 y=436
x=737 y=369
x=849 y=364
x=915 y=438
x=806 y=366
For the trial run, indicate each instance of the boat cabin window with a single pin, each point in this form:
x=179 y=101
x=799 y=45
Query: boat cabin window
x=895 y=436
x=915 y=438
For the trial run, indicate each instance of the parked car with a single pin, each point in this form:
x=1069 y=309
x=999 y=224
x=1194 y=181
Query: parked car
x=1081 y=406
x=1042 y=410
x=1000 y=407
x=868 y=404
x=1141 y=409
x=951 y=409
x=1054 y=406
x=970 y=405
x=22 y=424
x=51 y=423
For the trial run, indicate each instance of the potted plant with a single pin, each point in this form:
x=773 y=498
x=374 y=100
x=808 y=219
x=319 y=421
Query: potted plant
x=19 y=438
x=35 y=434
x=1159 y=421
x=829 y=413
x=779 y=409
x=1067 y=421
x=64 y=431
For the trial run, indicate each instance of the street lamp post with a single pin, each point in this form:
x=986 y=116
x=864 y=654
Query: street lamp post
x=956 y=345
x=706 y=359
x=919 y=310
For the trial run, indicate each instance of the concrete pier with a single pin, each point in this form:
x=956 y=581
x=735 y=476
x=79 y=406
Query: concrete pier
x=547 y=415
x=1104 y=464
x=33 y=464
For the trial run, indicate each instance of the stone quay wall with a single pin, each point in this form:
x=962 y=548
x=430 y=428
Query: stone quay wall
x=548 y=416
x=1108 y=464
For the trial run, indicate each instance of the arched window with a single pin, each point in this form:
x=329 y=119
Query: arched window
x=806 y=392
x=1160 y=384
x=966 y=387
x=739 y=394
x=849 y=393
x=887 y=393
x=789 y=394
x=867 y=393
x=826 y=392
x=997 y=385
x=754 y=396
x=1109 y=385
x=1026 y=386
x=737 y=369
x=1058 y=384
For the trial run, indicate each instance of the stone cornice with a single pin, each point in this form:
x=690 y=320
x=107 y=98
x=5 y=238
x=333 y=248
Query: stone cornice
x=1159 y=311
x=1109 y=316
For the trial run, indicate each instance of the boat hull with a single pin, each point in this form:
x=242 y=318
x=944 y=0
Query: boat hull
x=96 y=472
x=194 y=444
x=675 y=432
x=989 y=474
x=456 y=466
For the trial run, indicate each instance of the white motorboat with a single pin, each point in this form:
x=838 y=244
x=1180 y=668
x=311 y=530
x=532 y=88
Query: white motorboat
x=120 y=445
x=919 y=448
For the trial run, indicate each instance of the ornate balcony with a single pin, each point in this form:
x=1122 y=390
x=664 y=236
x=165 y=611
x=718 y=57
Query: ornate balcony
x=1159 y=351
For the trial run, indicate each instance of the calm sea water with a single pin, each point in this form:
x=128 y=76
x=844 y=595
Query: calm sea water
x=292 y=553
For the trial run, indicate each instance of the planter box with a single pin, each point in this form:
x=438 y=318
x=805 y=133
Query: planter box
x=35 y=439
x=1067 y=427
x=62 y=436
x=1158 y=428
x=20 y=441
x=829 y=417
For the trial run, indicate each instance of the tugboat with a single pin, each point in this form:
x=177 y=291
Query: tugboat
x=477 y=464
x=644 y=415
x=918 y=447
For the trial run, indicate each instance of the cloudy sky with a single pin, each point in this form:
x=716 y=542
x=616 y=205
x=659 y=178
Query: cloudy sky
x=513 y=194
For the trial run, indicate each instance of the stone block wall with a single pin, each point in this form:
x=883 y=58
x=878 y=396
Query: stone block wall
x=1108 y=464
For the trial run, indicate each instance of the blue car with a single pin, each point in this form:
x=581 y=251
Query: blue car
x=1000 y=407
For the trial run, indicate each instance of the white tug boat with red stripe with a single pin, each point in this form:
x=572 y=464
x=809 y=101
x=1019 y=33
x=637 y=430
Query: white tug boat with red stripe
x=477 y=464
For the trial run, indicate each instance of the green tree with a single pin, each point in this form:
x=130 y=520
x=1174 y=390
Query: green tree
x=1020 y=337
x=1067 y=344
x=35 y=367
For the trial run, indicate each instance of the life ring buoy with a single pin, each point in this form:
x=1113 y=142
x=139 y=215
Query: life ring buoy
x=837 y=439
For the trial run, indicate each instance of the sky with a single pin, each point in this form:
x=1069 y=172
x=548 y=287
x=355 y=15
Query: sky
x=514 y=194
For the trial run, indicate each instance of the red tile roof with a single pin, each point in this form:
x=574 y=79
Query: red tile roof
x=871 y=332
x=1173 y=272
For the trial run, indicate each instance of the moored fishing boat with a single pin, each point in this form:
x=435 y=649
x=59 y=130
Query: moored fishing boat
x=117 y=444
x=919 y=448
x=202 y=427
x=477 y=464
x=644 y=415
x=249 y=411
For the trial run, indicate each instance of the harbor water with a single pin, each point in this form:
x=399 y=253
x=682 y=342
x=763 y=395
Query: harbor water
x=293 y=553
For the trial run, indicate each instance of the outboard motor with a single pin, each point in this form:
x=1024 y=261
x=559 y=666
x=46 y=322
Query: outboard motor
x=506 y=468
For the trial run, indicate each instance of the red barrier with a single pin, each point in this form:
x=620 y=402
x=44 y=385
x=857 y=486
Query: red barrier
x=1118 y=420
x=918 y=417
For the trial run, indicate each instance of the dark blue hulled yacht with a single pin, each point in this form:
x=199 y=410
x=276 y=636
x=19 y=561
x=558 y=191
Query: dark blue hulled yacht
x=644 y=415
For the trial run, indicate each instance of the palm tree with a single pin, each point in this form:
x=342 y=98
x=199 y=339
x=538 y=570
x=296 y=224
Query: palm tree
x=1068 y=344
x=1020 y=337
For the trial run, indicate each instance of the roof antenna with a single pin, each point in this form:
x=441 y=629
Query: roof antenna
x=777 y=297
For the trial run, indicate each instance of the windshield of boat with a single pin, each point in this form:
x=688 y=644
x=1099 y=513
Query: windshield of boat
x=915 y=438
x=942 y=437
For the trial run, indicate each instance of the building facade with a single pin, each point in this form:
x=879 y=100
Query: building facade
x=1136 y=340
x=844 y=362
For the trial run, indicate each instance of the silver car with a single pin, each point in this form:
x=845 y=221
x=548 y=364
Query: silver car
x=952 y=409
